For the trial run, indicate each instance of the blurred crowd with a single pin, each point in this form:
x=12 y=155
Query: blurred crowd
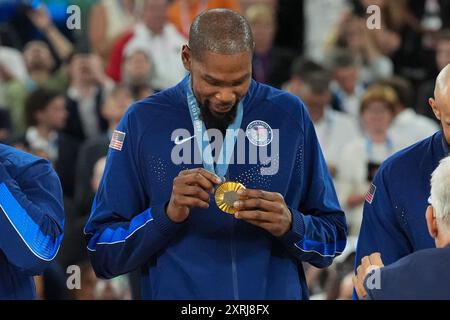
x=63 y=91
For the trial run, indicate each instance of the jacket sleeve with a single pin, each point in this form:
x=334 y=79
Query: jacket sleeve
x=380 y=228
x=319 y=230
x=124 y=231
x=31 y=216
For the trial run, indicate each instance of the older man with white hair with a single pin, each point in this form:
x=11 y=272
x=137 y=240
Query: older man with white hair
x=425 y=273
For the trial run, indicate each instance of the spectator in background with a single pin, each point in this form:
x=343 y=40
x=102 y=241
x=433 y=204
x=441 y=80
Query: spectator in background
x=353 y=34
x=46 y=115
x=300 y=68
x=181 y=13
x=138 y=70
x=347 y=86
x=40 y=64
x=164 y=40
x=108 y=20
x=411 y=126
x=88 y=88
x=318 y=31
x=93 y=149
x=270 y=64
x=426 y=89
x=334 y=129
x=245 y=4
x=41 y=19
x=12 y=67
x=362 y=156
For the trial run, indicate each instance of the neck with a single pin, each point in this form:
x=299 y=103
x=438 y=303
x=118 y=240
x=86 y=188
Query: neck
x=378 y=136
x=44 y=131
x=317 y=114
x=39 y=76
x=84 y=88
x=443 y=240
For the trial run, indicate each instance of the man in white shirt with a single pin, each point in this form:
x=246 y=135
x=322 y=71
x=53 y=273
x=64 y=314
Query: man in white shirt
x=409 y=125
x=163 y=41
x=347 y=86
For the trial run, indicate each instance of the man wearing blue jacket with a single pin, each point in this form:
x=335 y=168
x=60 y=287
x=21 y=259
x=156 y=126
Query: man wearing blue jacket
x=31 y=221
x=423 y=274
x=158 y=214
x=393 y=223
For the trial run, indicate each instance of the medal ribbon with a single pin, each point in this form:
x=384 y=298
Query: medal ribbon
x=202 y=138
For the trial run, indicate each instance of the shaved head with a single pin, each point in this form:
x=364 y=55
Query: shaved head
x=443 y=82
x=440 y=104
x=220 y=31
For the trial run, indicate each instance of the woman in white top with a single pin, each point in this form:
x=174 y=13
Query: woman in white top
x=108 y=20
x=362 y=156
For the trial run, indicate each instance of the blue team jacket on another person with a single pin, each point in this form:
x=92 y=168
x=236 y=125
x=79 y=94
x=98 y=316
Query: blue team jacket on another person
x=31 y=220
x=422 y=275
x=212 y=255
x=394 y=213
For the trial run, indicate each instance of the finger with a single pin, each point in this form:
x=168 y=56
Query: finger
x=205 y=173
x=186 y=201
x=255 y=215
x=194 y=192
x=375 y=259
x=365 y=266
x=258 y=203
x=195 y=179
x=359 y=274
x=360 y=291
x=261 y=194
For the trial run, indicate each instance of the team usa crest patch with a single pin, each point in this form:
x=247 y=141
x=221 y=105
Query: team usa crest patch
x=371 y=193
x=117 y=140
x=259 y=133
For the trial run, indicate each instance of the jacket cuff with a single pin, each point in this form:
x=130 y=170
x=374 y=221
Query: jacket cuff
x=297 y=231
x=162 y=221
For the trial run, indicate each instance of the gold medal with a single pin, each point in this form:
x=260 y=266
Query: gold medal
x=226 y=195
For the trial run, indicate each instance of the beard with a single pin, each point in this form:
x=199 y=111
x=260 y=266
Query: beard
x=217 y=122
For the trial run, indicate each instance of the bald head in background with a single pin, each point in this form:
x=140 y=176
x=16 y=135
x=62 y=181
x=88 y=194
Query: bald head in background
x=441 y=101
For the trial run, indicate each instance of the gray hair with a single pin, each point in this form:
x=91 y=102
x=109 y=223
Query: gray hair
x=220 y=31
x=440 y=191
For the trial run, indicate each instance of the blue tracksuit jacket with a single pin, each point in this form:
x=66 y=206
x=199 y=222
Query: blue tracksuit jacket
x=394 y=223
x=31 y=220
x=212 y=255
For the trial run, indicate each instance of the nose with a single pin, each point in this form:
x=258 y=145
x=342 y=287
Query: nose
x=226 y=96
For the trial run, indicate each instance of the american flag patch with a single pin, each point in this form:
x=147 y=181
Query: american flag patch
x=117 y=140
x=371 y=193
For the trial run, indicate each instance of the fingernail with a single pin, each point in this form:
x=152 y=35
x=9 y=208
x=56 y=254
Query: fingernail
x=240 y=192
x=218 y=180
x=237 y=204
x=236 y=215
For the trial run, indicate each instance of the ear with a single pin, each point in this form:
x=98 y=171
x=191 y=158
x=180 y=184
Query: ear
x=431 y=222
x=186 y=57
x=435 y=108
